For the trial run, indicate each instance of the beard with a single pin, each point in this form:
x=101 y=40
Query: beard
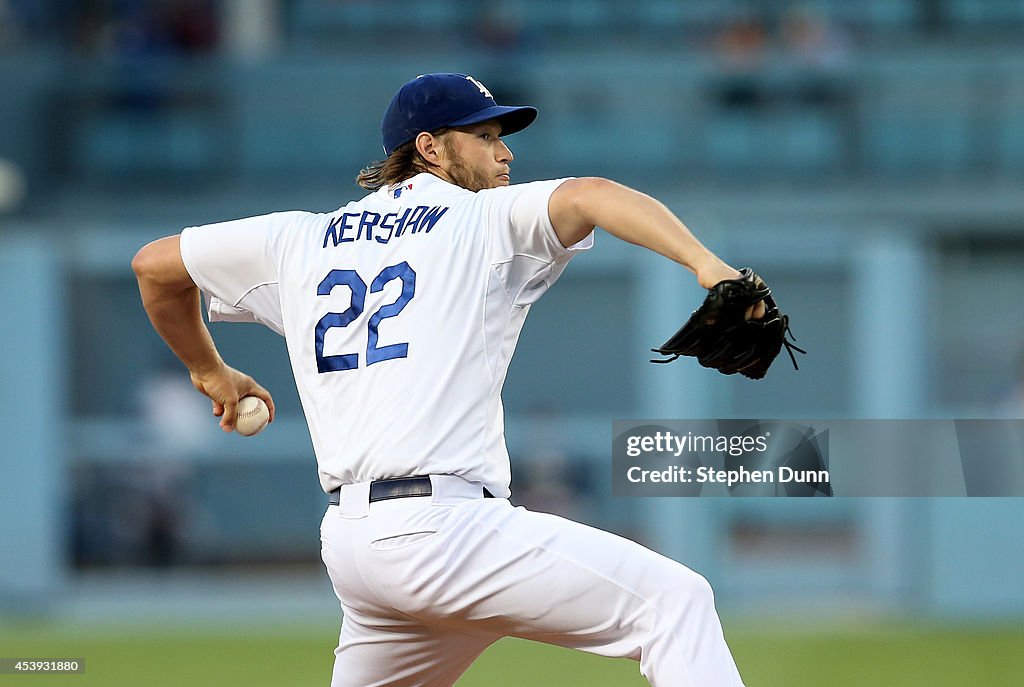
x=463 y=175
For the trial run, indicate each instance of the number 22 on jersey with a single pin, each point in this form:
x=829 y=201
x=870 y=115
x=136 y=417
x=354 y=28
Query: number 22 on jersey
x=374 y=352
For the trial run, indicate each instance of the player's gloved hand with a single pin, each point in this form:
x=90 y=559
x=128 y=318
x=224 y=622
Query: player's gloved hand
x=723 y=335
x=224 y=385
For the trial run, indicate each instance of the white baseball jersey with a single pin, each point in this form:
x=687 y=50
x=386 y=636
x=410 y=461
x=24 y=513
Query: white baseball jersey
x=401 y=312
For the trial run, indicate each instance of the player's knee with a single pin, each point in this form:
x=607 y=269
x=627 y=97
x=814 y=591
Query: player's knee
x=690 y=597
x=699 y=589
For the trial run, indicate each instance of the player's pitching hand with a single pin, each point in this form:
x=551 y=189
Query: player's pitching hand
x=224 y=386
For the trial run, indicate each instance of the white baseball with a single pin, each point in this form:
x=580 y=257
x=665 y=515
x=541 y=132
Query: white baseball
x=253 y=416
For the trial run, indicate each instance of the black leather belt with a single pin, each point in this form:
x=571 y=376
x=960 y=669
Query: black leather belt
x=397 y=488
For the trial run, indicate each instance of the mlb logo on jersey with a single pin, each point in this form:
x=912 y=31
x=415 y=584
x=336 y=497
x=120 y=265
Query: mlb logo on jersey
x=398 y=191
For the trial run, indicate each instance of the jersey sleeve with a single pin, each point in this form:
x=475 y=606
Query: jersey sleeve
x=235 y=264
x=524 y=249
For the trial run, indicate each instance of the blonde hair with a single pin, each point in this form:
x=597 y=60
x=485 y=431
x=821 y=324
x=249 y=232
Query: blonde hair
x=404 y=162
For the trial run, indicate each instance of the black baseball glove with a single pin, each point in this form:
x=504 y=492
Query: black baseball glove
x=718 y=335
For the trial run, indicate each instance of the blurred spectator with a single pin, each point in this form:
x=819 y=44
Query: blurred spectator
x=120 y=30
x=500 y=27
x=742 y=45
x=137 y=513
x=812 y=40
x=124 y=116
x=10 y=26
x=133 y=29
x=23 y=22
x=813 y=50
x=176 y=421
x=500 y=33
x=129 y=514
x=191 y=25
x=818 y=50
x=741 y=50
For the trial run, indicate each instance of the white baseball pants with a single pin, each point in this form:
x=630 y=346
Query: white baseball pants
x=427 y=583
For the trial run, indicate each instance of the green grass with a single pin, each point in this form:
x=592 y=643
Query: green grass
x=852 y=656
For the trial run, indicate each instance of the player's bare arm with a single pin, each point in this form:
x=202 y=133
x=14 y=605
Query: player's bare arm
x=172 y=301
x=579 y=205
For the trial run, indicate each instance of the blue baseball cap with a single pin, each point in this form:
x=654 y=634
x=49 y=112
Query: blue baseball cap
x=435 y=101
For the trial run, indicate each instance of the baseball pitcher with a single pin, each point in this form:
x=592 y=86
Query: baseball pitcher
x=401 y=311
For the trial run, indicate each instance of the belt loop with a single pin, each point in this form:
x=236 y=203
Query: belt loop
x=355 y=500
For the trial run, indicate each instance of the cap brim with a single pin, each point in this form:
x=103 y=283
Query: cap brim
x=511 y=119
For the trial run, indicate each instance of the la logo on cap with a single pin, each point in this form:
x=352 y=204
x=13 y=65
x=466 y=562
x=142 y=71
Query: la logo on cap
x=483 y=89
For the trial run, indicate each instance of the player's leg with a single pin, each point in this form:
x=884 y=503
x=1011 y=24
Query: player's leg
x=511 y=571
x=380 y=645
x=479 y=569
x=383 y=652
